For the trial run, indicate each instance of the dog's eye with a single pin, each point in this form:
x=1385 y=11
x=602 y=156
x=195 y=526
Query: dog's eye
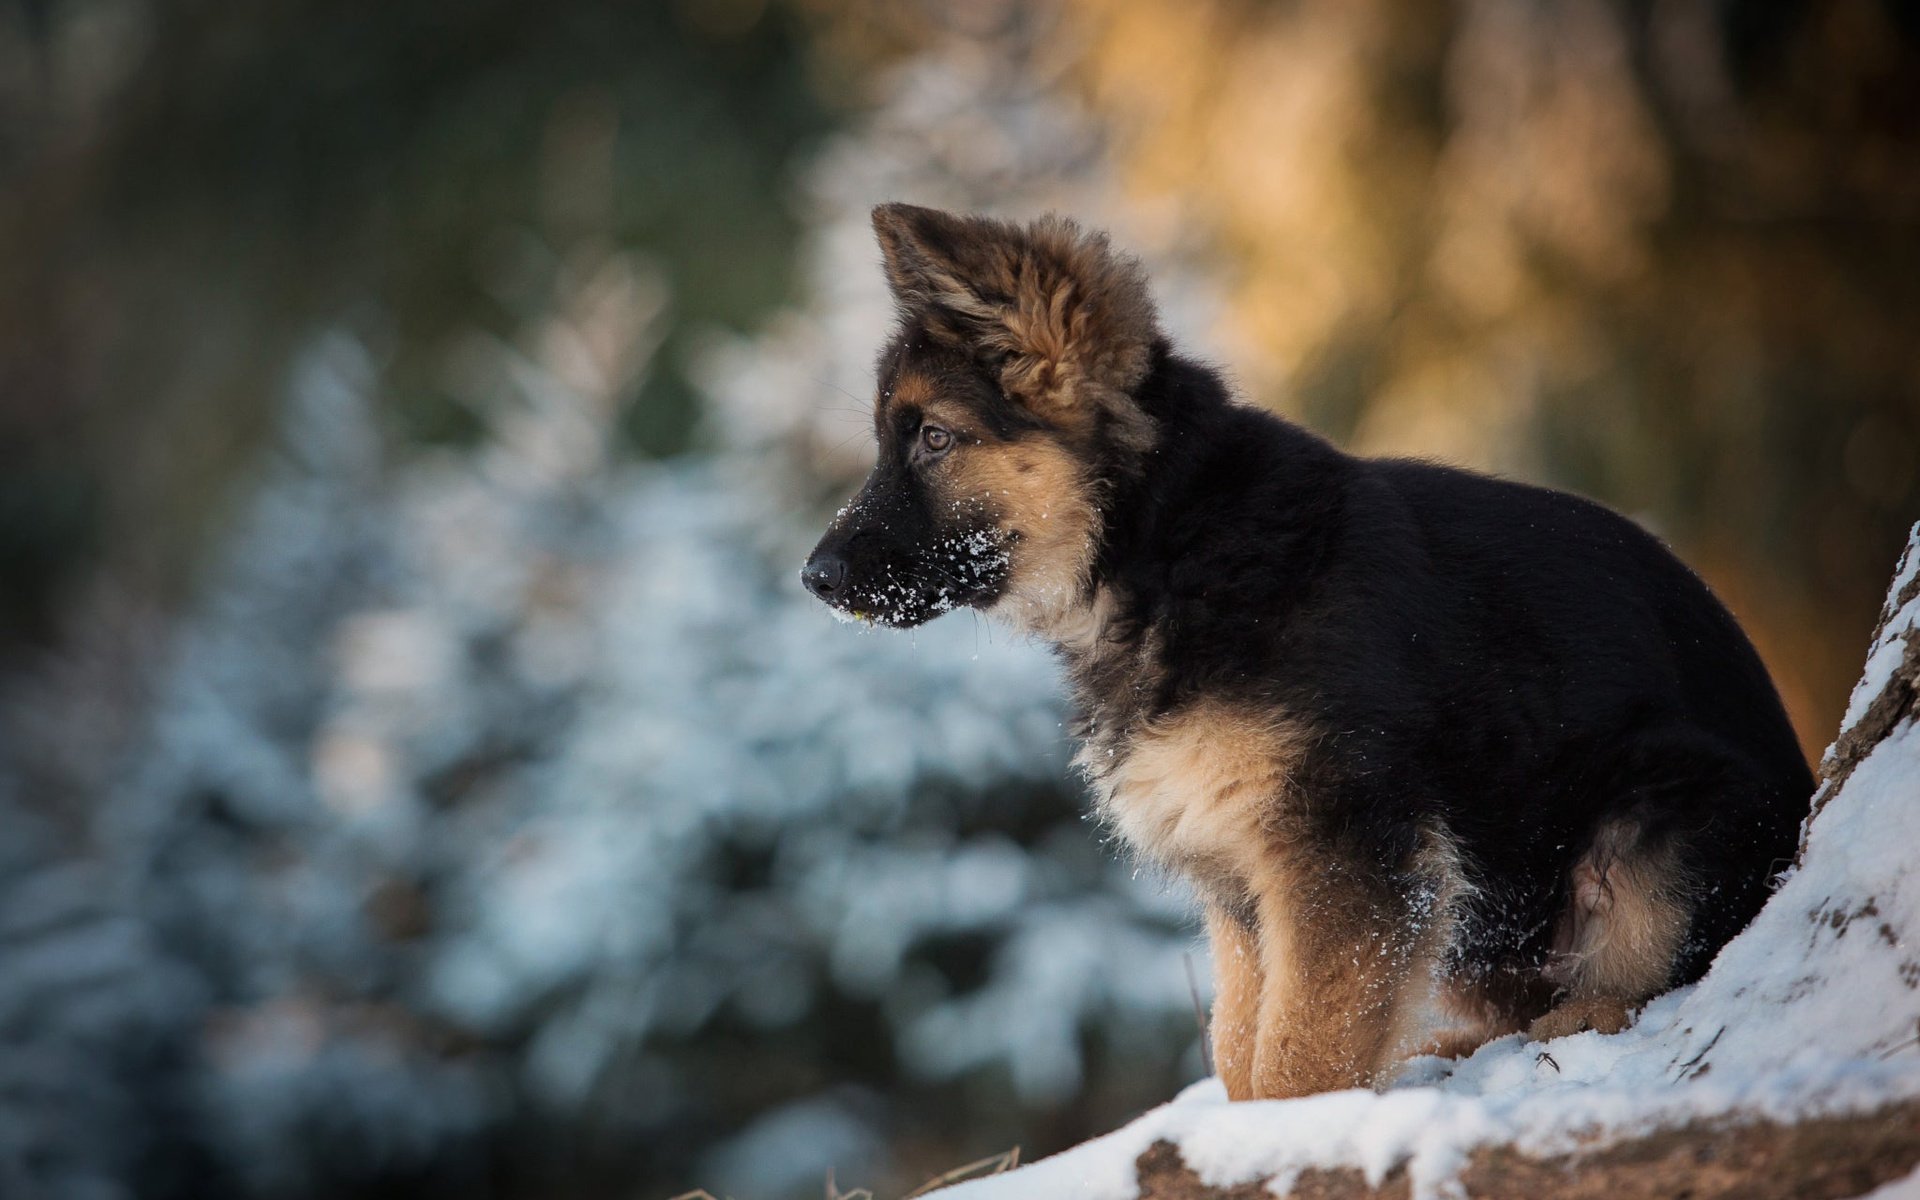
x=935 y=439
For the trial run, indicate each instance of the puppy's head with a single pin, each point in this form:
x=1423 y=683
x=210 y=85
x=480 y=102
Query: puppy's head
x=1004 y=409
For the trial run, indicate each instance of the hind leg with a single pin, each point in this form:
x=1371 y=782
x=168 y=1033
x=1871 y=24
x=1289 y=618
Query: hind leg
x=1683 y=866
x=1628 y=909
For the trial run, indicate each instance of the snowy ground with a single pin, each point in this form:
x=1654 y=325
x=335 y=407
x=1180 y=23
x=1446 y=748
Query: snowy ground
x=1813 y=1010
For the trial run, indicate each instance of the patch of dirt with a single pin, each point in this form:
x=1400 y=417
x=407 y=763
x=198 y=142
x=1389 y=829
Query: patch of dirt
x=1165 y=1176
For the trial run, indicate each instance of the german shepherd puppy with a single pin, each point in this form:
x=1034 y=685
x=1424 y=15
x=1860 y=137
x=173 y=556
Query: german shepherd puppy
x=1445 y=756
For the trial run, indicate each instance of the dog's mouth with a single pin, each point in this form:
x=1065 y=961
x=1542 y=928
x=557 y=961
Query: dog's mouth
x=894 y=606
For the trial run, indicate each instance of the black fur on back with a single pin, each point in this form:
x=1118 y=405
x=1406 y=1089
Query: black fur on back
x=1512 y=663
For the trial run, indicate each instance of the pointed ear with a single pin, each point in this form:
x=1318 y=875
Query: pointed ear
x=939 y=263
x=1063 y=319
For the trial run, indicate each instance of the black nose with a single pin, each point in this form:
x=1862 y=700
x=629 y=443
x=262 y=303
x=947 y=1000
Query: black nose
x=824 y=574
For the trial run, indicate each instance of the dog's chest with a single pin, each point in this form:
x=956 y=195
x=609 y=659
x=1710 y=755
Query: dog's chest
x=1202 y=790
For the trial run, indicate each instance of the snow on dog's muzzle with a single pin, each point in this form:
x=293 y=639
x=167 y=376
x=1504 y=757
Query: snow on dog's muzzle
x=899 y=569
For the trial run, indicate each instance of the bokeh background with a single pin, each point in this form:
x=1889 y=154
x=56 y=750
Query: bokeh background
x=420 y=773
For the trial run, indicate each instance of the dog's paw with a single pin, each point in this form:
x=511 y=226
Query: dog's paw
x=1603 y=1014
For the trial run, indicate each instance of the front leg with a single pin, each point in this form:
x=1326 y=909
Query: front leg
x=1235 y=945
x=1334 y=963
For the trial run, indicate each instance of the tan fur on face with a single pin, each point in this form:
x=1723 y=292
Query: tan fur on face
x=1047 y=519
x=910 y=388
x=1616 y=943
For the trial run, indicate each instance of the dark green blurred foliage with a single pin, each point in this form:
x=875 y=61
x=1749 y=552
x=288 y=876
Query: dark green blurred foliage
x=186 y=189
